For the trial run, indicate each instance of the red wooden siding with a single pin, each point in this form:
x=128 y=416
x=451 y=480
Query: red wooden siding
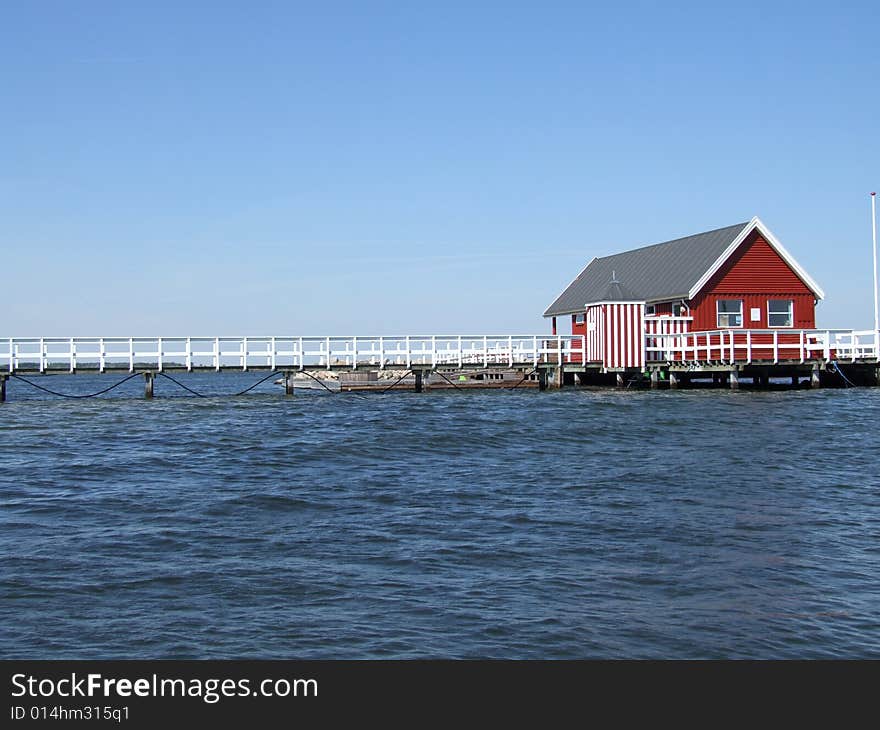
x=704 y=310
x=623 y=335
x=755 y=273
x=757 y=268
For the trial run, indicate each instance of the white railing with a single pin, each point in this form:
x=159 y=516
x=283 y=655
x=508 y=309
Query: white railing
x=45 y=354
x=857 y=345
x=664 y=325
x=748 y=345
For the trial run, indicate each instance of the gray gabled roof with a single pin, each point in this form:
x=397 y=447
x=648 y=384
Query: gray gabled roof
x=663 y=271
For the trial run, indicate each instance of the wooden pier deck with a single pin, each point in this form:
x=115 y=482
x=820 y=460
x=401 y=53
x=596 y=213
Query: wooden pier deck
x=723 y=357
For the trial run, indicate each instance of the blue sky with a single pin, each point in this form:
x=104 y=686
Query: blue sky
x=381 y=168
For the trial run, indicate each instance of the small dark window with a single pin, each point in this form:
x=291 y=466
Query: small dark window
x=780 y=313
x=730 y=312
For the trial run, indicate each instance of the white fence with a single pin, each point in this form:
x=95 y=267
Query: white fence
x=59 y=354
x=748 y=345
x=70 y=354
x=663 y=325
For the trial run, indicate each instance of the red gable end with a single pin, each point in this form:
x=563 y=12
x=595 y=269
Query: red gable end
x=754 y=273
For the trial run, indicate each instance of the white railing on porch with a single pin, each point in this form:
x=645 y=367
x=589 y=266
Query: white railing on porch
x=749 y=345
x=661 y=324
x=44 y=354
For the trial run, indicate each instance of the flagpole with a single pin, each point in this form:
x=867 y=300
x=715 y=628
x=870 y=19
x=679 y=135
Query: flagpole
x=874 y=235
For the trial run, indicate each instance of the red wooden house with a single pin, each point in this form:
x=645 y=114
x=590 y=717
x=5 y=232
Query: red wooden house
x=738 y=281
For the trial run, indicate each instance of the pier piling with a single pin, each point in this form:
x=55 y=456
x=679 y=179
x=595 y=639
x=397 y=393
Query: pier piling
x=655 y=379
x=673 y=379
x=815 y=378
x=149 y=380
x=734 y=379
x=542 y=379
x=419 y=380
x=288 y=382
x=3 y=379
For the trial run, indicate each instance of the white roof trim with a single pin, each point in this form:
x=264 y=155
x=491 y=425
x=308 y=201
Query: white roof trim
x=757 y=224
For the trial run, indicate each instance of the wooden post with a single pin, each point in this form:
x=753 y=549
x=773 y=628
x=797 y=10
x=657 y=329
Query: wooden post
x=560 y=377
x=795 y=381
x=619 y=380
x=815 y=379
x=3 y=379
x=734 y=379
x=673 y=379
x=149 y=380
x=288 y=382
x=655 y=379
x=542 y=379
x=419 y=384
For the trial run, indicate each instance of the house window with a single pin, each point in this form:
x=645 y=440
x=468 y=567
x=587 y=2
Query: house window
x=579 y=319
x=780 y=313
x=730 y=312
x=650 y=309
x=678 y=310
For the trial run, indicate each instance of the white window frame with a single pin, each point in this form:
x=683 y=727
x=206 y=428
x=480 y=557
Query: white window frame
x=650 y=310
x=718 y=314
x=790 y=314
x=684 y=310
x=580 y=318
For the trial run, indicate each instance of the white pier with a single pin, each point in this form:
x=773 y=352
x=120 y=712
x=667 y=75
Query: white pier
x=673 y=357
x=128 y=354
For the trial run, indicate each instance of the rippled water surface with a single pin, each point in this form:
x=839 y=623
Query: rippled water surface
x=448 y=524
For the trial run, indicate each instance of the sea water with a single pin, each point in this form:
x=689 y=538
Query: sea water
x=508 y=524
